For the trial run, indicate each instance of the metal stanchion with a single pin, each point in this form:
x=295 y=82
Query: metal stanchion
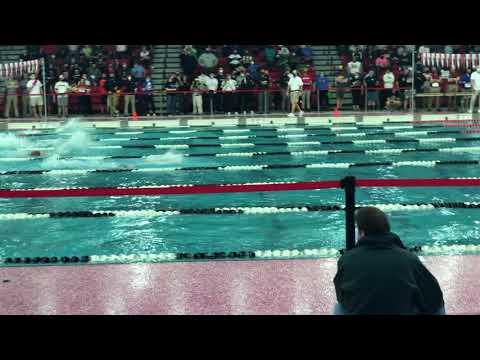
x=348 y=184
x=318 y=101
x=211 y=104
x=265 y=102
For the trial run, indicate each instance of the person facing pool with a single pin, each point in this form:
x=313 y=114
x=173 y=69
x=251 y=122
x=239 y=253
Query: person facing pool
x=380 y=276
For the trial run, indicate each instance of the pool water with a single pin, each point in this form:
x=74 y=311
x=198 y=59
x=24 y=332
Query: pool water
x=75 y=148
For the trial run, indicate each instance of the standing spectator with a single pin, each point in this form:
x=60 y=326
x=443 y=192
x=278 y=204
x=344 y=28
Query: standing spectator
x=307 y=89
x=380 y=276
x=321 y=87
x=357 y=90
x=87 y=51
x=11 y=90
x=212 y=87
x=138 y=71
x=148 y=97
x=354 y=67
x=295 y=86
x=229 y=86
x=283 y=84
x=475 y=81
x=263 y=85
x=171 y=89
x=388 y=84
x=34 y=87
x=190 y=50
x=219 y=102
x=370 y=83
x=283 y=56
x=419 y=84
x=25 y=97
x=61 y=89
x=184 y=96
x=94 y=72
x=341 y=84
x=130 y=87
x=465 y=86
x=245 y=84
x=112 y=87
x=83 y=88
x=382 y=62
x=197 y=88
x=432 y=86
x=405 y=87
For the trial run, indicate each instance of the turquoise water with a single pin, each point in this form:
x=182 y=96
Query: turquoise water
x=229 y=232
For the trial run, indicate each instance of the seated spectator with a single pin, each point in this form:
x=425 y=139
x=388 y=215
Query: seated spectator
x=247 y=59
x=382 y=61
x=283 y=56
x=234 y=59
x=121 y=51
x=379 y=276
x=94 y=72
x=307 y=54
x=188 y=62
x=138 y=71
x=270 y=55
x=190 y=50
x=208 y=60
x=145 y=57
x=87 y=51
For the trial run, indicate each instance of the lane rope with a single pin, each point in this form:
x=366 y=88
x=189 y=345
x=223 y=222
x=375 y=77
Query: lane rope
x=431 y=163
x=246 y=210
x=280 y=254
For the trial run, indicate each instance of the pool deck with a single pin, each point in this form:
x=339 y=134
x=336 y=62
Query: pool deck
x=212 y=287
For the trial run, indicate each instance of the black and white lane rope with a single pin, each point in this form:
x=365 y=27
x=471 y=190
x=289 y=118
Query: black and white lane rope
x=431 y=163
x=275 y=144
x=246 y=210
x=314 y=253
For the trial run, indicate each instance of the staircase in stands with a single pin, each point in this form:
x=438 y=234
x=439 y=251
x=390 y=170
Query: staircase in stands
x=9 y=54
x=326 y=60
x=166 y=60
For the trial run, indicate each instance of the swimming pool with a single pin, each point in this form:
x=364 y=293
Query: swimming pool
x=229 y=155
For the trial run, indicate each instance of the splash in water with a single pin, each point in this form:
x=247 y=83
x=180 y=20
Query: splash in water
x=170 y=157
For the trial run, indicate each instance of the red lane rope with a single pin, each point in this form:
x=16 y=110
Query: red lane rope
x=416 y=182
x=231 y=188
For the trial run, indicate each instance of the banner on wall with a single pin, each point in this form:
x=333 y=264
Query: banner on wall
x=18 y=68
x=455 y=61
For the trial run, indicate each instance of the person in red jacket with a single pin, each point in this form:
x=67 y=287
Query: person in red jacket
x=307 y=89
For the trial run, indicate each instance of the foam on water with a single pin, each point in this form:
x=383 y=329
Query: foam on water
x=170 y=157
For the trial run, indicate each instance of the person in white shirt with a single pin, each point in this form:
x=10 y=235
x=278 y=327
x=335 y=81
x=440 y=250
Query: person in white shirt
x=475 y=83
x=295 y=86
x=61 y=89
x=212 y=86
x=229 y=86
x=354 y=67
x=34 y=88
x=388 y=84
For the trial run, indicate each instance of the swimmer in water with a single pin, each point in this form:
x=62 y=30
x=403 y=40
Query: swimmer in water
x=35 y=153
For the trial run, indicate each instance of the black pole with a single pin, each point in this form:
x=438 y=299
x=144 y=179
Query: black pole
x=348 y=183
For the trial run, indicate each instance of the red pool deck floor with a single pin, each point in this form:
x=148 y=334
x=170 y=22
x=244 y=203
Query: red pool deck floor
x=215 y=287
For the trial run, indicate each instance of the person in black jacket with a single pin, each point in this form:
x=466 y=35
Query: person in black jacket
x=130 y=88
x=380 y=276
x=112 y=87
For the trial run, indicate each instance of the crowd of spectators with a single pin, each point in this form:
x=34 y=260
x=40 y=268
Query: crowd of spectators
x=240 y=79
x=382 y=77
x=93 y=79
